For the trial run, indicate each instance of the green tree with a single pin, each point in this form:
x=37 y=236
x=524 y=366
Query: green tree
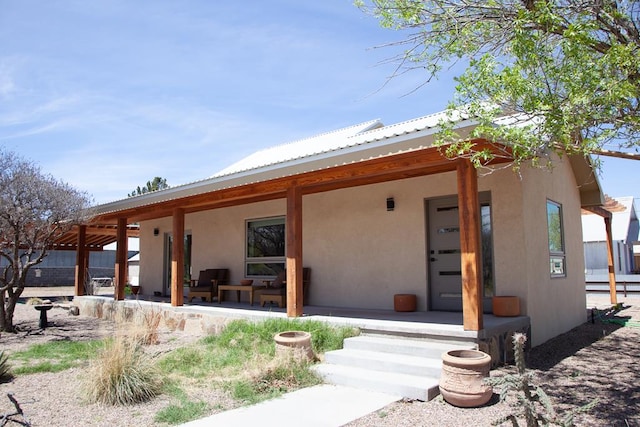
x=566 y=72
x=156 y=184
x=35 y=210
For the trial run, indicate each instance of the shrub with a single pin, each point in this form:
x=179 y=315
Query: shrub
x=5 y=373
x=123 y=374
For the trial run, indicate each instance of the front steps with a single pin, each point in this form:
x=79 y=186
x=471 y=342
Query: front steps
x=407 y=367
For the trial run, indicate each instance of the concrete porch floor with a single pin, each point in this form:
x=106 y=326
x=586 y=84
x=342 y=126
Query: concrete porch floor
x=418 y=324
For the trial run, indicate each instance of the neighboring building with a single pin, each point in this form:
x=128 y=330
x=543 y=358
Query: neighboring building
x=625 y=229
x=58 y=268
x=375 y=211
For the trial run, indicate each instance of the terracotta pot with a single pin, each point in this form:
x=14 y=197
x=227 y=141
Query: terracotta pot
x=461 y=380
x=404 y=302
x=506 y=306
x=135 y=289
x=295 y=344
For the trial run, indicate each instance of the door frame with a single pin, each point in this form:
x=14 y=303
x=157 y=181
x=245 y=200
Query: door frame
x=488 y=264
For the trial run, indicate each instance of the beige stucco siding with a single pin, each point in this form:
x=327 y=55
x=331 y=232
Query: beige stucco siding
x=555 y=304
x=361 y=254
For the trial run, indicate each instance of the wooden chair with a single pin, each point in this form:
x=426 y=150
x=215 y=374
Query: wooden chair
x=206 y=286
x=276 y=290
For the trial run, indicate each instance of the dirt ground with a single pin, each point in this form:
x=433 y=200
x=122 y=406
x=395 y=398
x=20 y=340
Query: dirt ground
x=594 y=361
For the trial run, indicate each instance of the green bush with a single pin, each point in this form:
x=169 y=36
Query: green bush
x=5 y=369
x=123 y=374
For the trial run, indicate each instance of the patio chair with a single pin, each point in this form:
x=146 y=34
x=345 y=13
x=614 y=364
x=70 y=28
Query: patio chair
x=276 y=290
x=206 y=286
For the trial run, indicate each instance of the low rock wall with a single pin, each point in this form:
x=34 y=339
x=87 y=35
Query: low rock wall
x=135 y=311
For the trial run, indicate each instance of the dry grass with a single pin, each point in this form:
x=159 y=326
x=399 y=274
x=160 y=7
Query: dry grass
x=123 y=374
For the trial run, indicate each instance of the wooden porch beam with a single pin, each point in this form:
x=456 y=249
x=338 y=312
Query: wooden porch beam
x=294 y=252
x=121 y=259
x=469 y=215
x=607 y=216
x=612 y=270
x=81 y=265
x=177 y=259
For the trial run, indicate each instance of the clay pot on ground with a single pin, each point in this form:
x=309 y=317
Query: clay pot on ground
x=461 y=380
x=135 y=289
x=296 y=344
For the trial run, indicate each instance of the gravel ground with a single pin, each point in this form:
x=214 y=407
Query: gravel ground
x=593 y=361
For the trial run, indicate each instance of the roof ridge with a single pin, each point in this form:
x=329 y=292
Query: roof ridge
x=327 y=133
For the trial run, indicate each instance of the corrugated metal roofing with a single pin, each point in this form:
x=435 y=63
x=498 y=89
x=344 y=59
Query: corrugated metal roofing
x=359 y=134
x=325 y=150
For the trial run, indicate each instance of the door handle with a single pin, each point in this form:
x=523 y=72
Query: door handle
x=433 y=259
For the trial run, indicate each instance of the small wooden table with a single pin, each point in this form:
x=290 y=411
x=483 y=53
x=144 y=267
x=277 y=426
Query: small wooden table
x=239 y=288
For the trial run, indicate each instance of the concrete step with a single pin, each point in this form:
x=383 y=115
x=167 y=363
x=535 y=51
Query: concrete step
x=408 y=386
x=396 y=345
x=386 y=362
x=389 y=364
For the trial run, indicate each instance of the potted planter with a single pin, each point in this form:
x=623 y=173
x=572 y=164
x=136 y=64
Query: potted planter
x=296 y=344
x=506 y=306
x=462 y=378
x=404 y=302
x=135 y=289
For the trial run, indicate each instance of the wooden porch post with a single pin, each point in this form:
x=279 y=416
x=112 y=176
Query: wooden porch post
x=294 y=252
x=81 y=265
x=469 y=212
x=611 y=265
x=121 y=258
x=177 y=259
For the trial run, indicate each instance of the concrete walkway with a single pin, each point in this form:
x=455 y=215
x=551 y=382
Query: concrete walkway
x=318 y=406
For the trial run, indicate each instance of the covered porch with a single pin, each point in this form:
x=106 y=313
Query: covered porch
x=430 y=325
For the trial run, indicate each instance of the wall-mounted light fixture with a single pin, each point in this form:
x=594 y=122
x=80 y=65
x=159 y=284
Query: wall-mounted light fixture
x=156 y=231
x=391 y=204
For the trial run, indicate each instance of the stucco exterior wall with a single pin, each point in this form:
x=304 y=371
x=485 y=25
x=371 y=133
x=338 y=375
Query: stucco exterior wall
x=361 y=254
x=555 y=305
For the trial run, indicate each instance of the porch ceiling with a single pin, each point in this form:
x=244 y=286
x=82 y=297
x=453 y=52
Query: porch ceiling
x=97 y=237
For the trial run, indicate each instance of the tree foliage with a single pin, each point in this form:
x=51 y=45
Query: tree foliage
x=567 y=72
x=156 y=184
x=35 y=210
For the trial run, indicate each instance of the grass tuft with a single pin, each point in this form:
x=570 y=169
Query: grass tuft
x=122 y=374
x=54 y=356
x=5 y=368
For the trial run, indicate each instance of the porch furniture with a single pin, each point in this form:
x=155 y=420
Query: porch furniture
x=206 y=286
x=276 y=289
x=251 y=289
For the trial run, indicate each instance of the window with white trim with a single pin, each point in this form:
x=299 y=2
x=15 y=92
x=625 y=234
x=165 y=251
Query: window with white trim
x=556 y=239
x=265 y=247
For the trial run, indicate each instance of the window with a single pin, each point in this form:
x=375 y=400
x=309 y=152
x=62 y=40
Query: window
x=556 y=239
x=487 y=249
x=265 y=255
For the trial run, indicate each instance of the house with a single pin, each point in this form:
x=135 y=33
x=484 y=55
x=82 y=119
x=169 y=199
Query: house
x=625 y=228
x=374 y=211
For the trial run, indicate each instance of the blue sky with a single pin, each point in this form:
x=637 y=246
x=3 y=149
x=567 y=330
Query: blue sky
x=105 y=95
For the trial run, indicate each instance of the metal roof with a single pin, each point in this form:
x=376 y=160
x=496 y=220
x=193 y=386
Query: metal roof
x=355 y=143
